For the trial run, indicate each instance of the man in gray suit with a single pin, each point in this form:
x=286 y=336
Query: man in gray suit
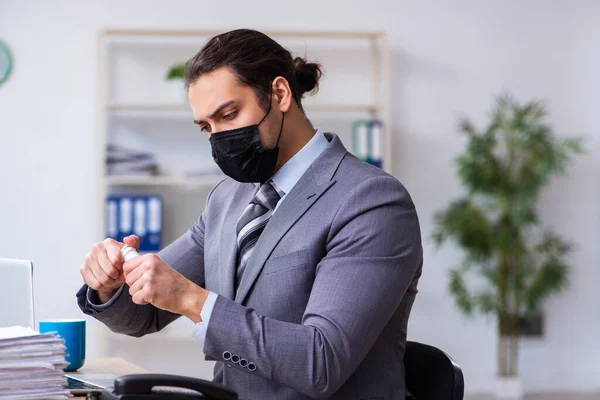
x=302 y=270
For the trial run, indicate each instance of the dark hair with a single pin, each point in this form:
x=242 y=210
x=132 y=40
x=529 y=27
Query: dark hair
x=256 y=60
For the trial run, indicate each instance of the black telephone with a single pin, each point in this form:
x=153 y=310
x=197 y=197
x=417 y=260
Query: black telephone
x=166 y=387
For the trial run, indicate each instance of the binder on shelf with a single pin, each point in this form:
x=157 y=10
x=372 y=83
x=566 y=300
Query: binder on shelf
x=135 y=214
x=139 y=221
x=375 y=133
x=125 y=217
x=112 y=221
x=360 y=140
x=367 y=141
x=154 y=222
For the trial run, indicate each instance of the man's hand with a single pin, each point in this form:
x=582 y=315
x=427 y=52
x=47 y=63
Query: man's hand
x=102 y=268
x=153 y=281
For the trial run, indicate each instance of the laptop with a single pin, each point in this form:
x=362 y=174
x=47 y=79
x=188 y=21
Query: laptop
x=16 y=290
x=16 y=293
x=85 y=383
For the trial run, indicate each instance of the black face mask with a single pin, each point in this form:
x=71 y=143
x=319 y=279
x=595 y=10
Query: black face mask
x=239 y=154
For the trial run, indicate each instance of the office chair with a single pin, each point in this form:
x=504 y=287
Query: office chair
x=431 y=374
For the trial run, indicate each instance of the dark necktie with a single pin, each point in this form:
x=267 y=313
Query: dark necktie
x=253 y=221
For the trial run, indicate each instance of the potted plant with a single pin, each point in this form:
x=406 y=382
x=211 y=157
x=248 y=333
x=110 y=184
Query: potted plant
x=516 y=262
x=174 y=78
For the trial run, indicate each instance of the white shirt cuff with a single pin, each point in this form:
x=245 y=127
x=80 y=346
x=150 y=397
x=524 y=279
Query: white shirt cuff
x=200 y=329
x=101 y=307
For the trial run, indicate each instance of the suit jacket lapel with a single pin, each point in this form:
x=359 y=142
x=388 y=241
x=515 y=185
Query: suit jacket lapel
x=315 y=181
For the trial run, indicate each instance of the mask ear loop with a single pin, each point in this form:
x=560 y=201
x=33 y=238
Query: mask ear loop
x=282 y=118
x=268 y=111
x=280 y=129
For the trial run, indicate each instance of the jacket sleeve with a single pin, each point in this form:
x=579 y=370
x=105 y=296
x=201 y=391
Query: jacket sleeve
x=373 y=252
x=122 y=315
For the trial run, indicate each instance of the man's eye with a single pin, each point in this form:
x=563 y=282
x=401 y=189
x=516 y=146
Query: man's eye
x=204 y=128
x=229 y=116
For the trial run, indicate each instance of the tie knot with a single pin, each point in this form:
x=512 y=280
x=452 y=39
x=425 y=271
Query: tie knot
x=268 y=195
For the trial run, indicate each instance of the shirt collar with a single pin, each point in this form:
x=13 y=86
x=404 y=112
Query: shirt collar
x=290 y=173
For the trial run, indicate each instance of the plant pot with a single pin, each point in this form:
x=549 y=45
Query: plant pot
x=509 y=388
x=177 y=92
x=531 y=325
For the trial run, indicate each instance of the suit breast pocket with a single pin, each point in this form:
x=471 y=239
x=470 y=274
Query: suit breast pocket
x=285 y=285
x=286 y=262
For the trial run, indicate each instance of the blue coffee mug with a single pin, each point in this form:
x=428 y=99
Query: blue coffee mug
x=73 y=332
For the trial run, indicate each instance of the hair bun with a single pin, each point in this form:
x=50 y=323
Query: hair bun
x=307 y=76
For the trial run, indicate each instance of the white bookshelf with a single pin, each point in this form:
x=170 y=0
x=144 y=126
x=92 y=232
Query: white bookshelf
x=186 y=181
x=183 y=110
x=134 y=110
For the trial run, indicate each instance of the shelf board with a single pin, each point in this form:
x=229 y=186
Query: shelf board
x=148 y=106
x=208 y=180
x=183 y=109
x=322 y=34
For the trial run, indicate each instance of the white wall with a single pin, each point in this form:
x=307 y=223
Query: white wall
x=449 y=59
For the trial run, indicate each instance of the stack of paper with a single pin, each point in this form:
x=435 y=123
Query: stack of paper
x=121 y=161
x=31 y=365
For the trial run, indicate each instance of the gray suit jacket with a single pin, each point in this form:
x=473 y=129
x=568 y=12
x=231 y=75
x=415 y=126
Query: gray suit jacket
x=323 y=305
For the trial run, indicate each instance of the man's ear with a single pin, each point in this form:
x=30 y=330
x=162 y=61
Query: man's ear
x=283 y=93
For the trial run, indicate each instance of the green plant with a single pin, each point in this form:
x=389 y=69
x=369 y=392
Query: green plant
x=516 y=263
x=175 y=72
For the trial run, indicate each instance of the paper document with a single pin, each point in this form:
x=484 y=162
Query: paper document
x=31 y=365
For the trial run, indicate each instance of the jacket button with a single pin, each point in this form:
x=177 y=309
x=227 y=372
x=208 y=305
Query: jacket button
x=235 y=359
x=251 y=366
x=243 y=363
x=226 y=356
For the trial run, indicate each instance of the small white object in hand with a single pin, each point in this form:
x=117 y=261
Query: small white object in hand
x=129 y=253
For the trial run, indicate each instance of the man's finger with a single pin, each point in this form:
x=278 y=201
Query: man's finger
x=91 y=280
x=100 y=275
x=132 y=241
x=140 y=297
x=107 y=266
x=132 y=277
x=113 y=252
x=136 y=286
x=132 y=265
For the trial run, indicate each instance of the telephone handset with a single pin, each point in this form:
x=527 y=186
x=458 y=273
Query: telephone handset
x=166 y=387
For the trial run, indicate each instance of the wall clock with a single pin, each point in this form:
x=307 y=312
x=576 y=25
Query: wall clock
x=6 y=62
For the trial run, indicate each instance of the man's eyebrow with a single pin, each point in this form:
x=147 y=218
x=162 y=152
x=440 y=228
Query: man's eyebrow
x=218 y=110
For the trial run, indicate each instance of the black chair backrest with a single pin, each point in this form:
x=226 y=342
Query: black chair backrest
x=431 y=374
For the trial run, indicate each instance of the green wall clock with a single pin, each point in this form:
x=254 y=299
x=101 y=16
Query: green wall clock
x=5 y=62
